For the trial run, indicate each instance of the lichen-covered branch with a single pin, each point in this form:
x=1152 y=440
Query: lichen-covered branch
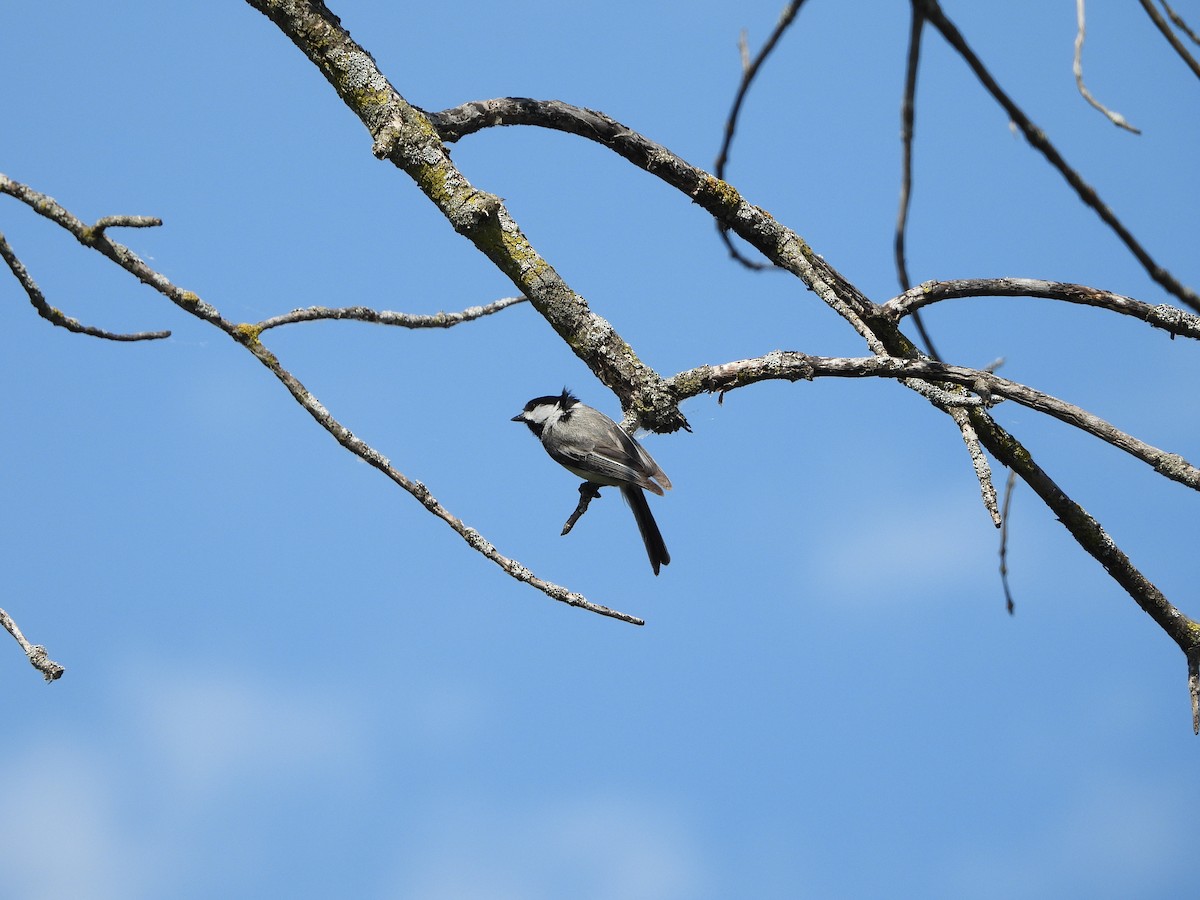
x=775 y=241
x=403 y=134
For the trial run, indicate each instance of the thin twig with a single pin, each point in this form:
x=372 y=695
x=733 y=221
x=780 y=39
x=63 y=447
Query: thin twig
x=750 y=69
x=1009 y=485
x=908 y=107
x=58 y=317
x=126 y=222
x=1115 y=117
x=50 y=670
x=387 y=317
x=1172 y=39
x=1180 y=23
x=1038 y=140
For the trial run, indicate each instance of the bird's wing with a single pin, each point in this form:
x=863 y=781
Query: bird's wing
x=652 y=469
x=613 y=456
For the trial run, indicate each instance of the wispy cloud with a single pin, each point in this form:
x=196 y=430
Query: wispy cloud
x=58 y=831
x=210 y=732
x=588 y=847
x=1120 y=838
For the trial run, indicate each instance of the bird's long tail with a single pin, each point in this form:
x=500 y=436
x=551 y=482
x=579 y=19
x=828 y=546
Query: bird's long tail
x=656 y=548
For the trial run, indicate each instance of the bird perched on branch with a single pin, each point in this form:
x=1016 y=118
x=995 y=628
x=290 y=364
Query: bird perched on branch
x=591 y=445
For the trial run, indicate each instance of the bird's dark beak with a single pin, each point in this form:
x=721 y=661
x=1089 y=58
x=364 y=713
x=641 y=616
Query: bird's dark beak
x=519 y=417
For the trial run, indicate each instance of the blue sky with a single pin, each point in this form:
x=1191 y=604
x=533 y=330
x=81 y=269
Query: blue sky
x=285 y=678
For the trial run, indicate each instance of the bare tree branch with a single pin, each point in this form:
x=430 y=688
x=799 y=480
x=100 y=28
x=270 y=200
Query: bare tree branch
x=1180 y=23
x=1037 y=138
x=38 y=658
x=778 y=243
x=1174 y=41
x=1169 y=318
x=373 y=457
x=750 y=69
x=125 y=222
x=790 y=365
x=56 y=316
x=386 y=317
x=1077 y=67
x=49 y=208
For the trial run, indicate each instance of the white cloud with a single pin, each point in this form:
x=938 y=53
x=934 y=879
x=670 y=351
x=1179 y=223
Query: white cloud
x=121 y=811
x=210 y=733
x=57 y=835
x=590 y=848
x=1121 y=837
x=896 y=555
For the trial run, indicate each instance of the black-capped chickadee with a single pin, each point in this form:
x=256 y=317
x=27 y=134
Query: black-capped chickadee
x=591 y=445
